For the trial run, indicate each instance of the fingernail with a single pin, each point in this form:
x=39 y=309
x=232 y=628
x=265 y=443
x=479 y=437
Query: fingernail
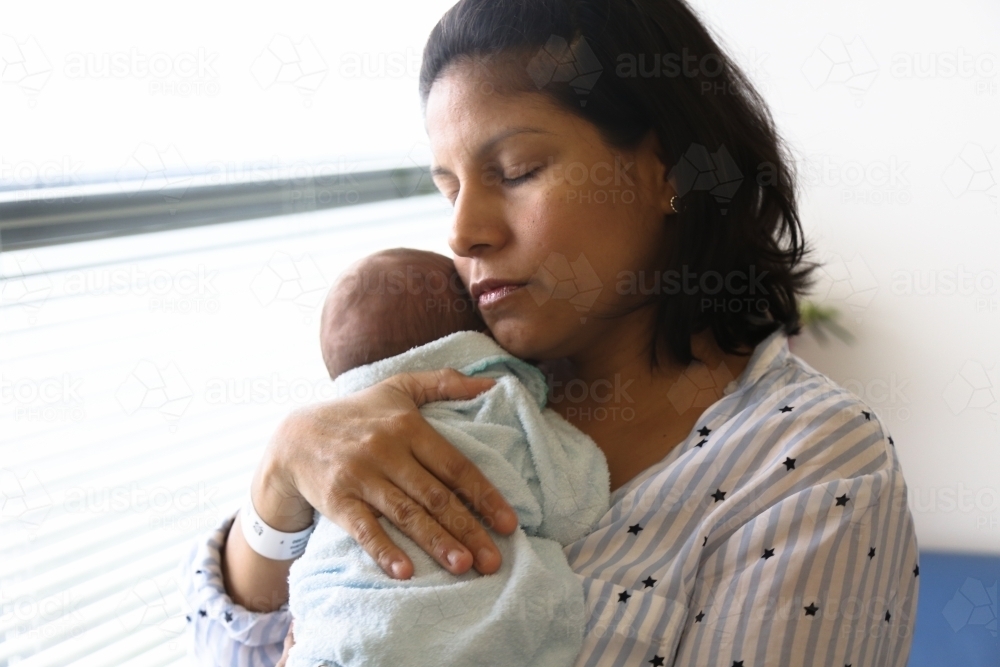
x=453 y=557
x=506 y=516
x=397 y=568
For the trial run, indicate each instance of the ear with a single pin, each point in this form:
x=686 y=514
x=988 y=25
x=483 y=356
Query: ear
x=650 y=153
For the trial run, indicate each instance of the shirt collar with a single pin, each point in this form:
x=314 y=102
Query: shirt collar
x=769 y=353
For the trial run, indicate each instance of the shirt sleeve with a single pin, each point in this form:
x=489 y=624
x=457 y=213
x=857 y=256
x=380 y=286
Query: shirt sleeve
x=221 y=633
x=822 y=571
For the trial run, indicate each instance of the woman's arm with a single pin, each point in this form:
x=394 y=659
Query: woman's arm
x=219 y=631
x=371 y=452
x=827 y=576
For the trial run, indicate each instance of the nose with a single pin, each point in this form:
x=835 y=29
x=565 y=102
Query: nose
x=478 y=227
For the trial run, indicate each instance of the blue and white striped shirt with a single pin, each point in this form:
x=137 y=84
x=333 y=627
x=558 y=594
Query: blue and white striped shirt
x=777 y=533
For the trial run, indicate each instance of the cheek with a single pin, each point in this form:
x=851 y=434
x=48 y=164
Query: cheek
x=561 y=219
x=576 y=250
x=612 y=237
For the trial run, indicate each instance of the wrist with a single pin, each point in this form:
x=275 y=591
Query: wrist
x=275 y=498
x=267 y=541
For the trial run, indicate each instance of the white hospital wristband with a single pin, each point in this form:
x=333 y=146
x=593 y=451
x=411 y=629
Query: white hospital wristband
x=267 y=541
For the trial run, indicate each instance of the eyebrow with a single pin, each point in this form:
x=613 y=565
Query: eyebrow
x=492 y=142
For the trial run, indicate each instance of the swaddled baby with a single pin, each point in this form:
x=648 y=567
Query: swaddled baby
x=406 y=310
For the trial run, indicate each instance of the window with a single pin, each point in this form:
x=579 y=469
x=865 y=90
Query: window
x=106 y=91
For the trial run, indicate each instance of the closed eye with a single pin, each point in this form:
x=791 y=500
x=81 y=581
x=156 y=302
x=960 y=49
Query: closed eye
x=518 y=180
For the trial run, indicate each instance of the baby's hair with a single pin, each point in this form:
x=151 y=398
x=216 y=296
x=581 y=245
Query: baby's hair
x=389 y=302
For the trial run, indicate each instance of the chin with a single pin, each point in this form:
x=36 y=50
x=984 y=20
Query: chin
x=531 y=341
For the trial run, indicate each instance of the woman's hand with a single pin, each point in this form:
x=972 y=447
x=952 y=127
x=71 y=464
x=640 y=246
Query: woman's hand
x=362 y=455
x=372 y=452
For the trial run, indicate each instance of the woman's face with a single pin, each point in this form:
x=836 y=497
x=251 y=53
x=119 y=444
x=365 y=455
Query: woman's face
x=542 y=203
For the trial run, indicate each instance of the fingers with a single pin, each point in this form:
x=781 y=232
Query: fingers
x=448 y=516
x=456 y=472
x=362 y=525
x=407 y=514
x=440 y=385
x=373 y=510
x=441 y=458
x=408 y=476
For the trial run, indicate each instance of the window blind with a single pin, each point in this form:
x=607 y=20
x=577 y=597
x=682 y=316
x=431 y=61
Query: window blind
x=140 y=379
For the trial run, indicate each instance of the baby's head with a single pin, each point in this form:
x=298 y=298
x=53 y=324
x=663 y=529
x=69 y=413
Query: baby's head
x=389 y=302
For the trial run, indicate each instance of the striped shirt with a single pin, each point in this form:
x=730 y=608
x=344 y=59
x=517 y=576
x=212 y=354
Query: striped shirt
x=777 y=533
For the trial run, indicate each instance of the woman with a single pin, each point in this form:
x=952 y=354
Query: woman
x=624 y=216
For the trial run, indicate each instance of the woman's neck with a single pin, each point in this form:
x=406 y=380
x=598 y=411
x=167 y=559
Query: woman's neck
x=634 y=413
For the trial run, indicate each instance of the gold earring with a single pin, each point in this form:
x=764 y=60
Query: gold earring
x=673 y=204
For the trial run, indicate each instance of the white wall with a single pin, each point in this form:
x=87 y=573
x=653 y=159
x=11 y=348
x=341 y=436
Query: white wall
x=900 y=172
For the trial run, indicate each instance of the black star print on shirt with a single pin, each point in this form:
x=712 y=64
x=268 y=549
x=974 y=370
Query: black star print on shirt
x=699 y=444
x=786 y=409
x=789 y=463
x=202 y=613
x=916 y=570
x=634 y=529
x=703 y=431
x=229 y=617
x=767 y=553
x=891 y=442
x=623 y=596
x=868 y=415
x=871 y=553
x=701 y=615
x=842 y=500
x=705 y=541
x=887 y=616
x=737 y=663
x=719 y=495
x=649 y=581
x=657 y=661
x=811 y=609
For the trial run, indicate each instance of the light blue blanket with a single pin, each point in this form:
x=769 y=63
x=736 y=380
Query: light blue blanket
x=530 y=612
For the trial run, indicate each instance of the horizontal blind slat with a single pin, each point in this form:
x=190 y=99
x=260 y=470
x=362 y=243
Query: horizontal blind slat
x=74 y=579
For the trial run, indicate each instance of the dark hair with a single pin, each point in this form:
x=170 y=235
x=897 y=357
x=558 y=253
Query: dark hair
x=634 y=66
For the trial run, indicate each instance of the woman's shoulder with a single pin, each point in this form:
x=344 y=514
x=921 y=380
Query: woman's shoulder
x=799 y=411
x=781 y=425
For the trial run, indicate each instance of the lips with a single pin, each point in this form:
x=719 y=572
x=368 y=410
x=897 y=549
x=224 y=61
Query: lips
x=488 y=291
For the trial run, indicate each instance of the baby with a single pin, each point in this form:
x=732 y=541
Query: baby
x=406 y=310
x=389 y=302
